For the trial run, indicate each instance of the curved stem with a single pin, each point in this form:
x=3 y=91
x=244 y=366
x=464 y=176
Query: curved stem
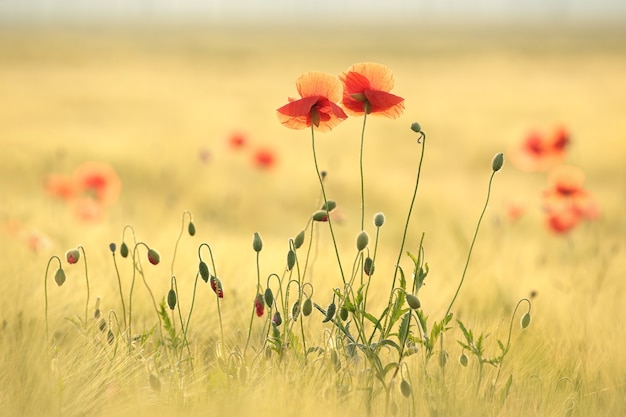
x=508 y=340
x=258 y=291
x=180 y=235
x=330 y=225
x=119 y=283
x=87 y=280
x=45 y=290
x=469 y=254
x=361 y=173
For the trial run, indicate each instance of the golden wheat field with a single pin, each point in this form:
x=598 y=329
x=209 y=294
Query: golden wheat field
x=164 y=108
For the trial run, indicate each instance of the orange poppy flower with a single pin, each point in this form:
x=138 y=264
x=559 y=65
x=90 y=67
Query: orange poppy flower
x=99 y=180
x=366 y=89
x=561 y=221
x=316 y=107
x=61 y=186
x=264 y=159
x=565 y=181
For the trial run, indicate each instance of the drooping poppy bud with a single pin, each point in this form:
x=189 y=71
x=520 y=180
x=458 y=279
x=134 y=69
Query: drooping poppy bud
x=269 y=297
x=299 y=240
x=413 y=301
x=307 y=307
x=320 y=216
x=216 y=286
x=124 y=250
x=277 y=320
x=497 y=162
x=259 y=305
x=171 y=299
x=463 y=359
x=112 y=247
x=525 y=320
x=405 y=388
x=72 y=256
x=204 y=271
x=368 y=266
x=295 y=310
x=59 y=277
x=291 y=260
x=330 y=312
x=362 y=240
x=415 y=127
x=329 y=205
x=343 y=313
x=154 y=257
x=191 y=229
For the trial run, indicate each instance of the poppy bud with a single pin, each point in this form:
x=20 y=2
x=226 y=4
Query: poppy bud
x=259 y=305
x=269 y=297
x=299 y=240
x=204 y=271
x=368 y=266
x=343 y=313
x=497 y=162
x=330 y=312
x=59 y=277
x=257 y=243
x=362 y=240
x=277 y=320
x=291 y=260
x=379 y=219
x=103 y=325
x=112 y=247
x=413 y=301
x=443 y=358
x=171 y=299
x=124 y=250
x=405 y=388
x=110 y=337
x=307 y=307
x=415 y=127
x=329 y=205
x=191 y=229
x=320 y=216
x=72 y=256
x=525 y=320
x=295 y=310
x=216 y=286
x=463 y=359
x=154 y=257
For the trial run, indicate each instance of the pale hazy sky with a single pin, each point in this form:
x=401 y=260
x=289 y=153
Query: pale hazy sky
x=308 y=11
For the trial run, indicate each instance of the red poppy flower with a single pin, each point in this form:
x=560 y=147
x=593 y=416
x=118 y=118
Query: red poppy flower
x=366 y=89
x=259 y=305
x=540 y=153
x=316 y=107
x=565 y=181
x=99 y=180
x=237 y=140
x=562 y=221
x=264 y=159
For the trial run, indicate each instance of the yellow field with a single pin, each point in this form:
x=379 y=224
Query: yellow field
x=150 y=102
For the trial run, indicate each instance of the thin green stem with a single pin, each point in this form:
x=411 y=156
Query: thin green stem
x=119 y=283
x=330 y=225
x=469 y=254
x=258 y=290
x=87 y=281
x=180 y=235
x=361 y=173
x=45 y=289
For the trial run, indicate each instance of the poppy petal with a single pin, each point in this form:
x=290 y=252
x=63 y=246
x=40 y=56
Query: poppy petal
x=379 y=76
x=319 y=84
x=385 y=104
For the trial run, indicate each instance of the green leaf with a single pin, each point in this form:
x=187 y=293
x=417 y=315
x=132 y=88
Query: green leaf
x=391 y=343
x=370 y=318
x=404 y=328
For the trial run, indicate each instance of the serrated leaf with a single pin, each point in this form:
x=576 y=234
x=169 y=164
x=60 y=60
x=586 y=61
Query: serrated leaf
x=392 y=344
x=404 y=328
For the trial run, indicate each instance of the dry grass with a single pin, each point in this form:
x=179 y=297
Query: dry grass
x=148 y=101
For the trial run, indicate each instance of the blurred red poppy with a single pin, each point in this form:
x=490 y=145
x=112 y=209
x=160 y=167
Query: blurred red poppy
x=237 y=140
x=540 y=153
x=264 y=159
x=319 y=92
x=61 y=186
x=99 y=180
x=366 y=89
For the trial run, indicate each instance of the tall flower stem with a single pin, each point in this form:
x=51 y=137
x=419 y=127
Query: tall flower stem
x=180 y=235
x=361 y=173
x=469 y=254
x=330 y=225
x=258 y=290
x=87 y=281
x=119 y=283
x=45 y=290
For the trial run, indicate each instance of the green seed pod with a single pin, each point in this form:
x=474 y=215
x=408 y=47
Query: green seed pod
x=124 y=250
x=525 y=320
x=362 y=240
x=291 y=259
x=307 y=307
x=415 y=127
x=204 y=271
x=110 y=337
x=330 y=312
x=405 y=388
x=171 y=299
x=269 y=297
x=443 y=358
x=368 y=266
x=329 y=205
x=343 y=313
x=463 y=359
x=497 y=162
x=191 y=229
x=379 y=219
x=413 y=301
x=299 y=240
x=295 y=310
x=59 y=277
x=320 y=216
x=257 y=243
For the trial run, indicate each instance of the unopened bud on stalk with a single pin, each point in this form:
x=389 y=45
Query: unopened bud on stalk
x=307 y=307
x=191 y=229
x=291 y=259
x=216 y=286
x=463 y=360
x=299 y=240
x=362 y=240
x=368 y=266
x=405 y=388
x=320 y=216
x=413 y=301
x=330 y=312
x=124 y=250
x=329 y=205
x=379 y=219
x=72 y=256
x=154 y=257
x=204 y=271
x=171 y=299
x=259 y=305
x=277 y=320
x=525 y=320
x=295 y=310
x=269 y=297
x=112 y=247
x=415 y=127
x=110 y=337
x=59 y=277
x=497 y=162
x=343 y=313
x=257 y=243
